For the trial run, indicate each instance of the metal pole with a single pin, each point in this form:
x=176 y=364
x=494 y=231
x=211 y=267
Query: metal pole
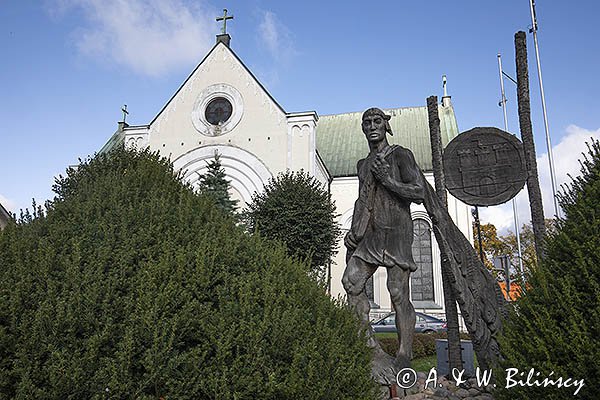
x=548 y=143
x=514 y=203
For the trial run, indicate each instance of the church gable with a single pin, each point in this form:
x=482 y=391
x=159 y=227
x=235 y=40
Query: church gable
x=222 y=107
x=222 y=103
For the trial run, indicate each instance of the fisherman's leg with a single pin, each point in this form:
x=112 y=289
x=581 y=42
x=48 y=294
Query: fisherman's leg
x=398 y=286
x=355 y=277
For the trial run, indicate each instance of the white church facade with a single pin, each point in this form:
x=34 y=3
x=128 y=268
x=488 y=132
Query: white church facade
x=223 y=108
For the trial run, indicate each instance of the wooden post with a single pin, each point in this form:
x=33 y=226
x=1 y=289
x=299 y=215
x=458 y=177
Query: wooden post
x=454 y=350
x=533 y=183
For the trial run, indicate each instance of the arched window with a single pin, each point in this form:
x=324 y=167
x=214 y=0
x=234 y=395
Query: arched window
x=421 y=281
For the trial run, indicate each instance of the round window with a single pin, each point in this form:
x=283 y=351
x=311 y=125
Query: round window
x=218 y=111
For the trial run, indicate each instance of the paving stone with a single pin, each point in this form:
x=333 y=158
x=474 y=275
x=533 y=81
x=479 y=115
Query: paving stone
x=489 y=388
x=413 y=390
x=418 y=396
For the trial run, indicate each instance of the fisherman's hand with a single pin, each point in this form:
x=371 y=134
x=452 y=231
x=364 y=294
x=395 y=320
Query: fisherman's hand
x=350 y=241
x=380 y=168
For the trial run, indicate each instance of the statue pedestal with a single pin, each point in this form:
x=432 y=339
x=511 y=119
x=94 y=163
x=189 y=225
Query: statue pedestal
x=384 y=372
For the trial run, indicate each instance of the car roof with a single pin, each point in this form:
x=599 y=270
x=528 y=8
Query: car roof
x=426 y=316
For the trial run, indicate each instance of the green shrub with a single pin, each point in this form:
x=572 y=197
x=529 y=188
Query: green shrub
x=131 y=286
x=296 y=209
x=555 y=325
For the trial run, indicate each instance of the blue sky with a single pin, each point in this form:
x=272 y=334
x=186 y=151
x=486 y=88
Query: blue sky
x=69 y=65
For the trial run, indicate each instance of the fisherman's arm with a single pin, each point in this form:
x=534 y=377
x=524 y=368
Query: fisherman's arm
x=411 y=186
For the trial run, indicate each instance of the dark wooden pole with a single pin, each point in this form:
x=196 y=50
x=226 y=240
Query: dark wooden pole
x=436 y=149
x=479 y=239
x=533 y=182
x=454 y=350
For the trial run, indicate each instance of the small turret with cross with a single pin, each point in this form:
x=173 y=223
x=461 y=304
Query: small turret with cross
x=125 y=113
x=224 y=36
x=123 y=124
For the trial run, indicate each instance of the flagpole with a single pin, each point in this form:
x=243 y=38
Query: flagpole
x=548 y=143
x=514 y=203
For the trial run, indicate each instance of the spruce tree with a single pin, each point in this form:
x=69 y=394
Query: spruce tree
x=556 y=323
x=215 y=184
x=132 y=286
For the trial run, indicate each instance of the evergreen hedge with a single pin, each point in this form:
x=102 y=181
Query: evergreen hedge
x=132 y=286
x=555 y=325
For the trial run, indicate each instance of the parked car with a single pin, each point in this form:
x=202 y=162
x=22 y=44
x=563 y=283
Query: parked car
x=424 y=324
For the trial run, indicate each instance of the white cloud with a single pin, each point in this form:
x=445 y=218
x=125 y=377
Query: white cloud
x=150 y=37
x=269 y=32
x=501 y=216
x=276 y=38
x=566 y=154
x=566 y=157
x=8 y=204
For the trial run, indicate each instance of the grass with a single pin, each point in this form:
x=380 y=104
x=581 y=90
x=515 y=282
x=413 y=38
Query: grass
x=421 y=364
x=385 y=335
x=424 y=364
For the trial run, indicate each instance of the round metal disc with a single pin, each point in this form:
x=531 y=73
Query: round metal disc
x=484 y=166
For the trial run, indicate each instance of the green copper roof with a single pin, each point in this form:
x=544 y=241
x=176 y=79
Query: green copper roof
x=117 y=139
x=341 y=143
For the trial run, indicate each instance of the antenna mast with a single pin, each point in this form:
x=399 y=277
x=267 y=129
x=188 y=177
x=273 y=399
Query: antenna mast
x=533 y=30
x=514 y=202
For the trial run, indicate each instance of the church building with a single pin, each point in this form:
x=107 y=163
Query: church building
x=4 y=217
x=222 y=107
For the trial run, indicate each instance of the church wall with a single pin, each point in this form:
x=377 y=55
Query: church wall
x=301 y=150
x=344 y=191
x=461 y=215
x=4 y=217
x=321 y=173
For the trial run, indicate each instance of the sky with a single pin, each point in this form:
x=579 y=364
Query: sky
x=68 y=66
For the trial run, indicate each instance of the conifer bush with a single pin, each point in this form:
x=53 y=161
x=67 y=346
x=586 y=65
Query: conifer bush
x=556 y=323
x=214 y=183
x=297 y=210
x=131 y=286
